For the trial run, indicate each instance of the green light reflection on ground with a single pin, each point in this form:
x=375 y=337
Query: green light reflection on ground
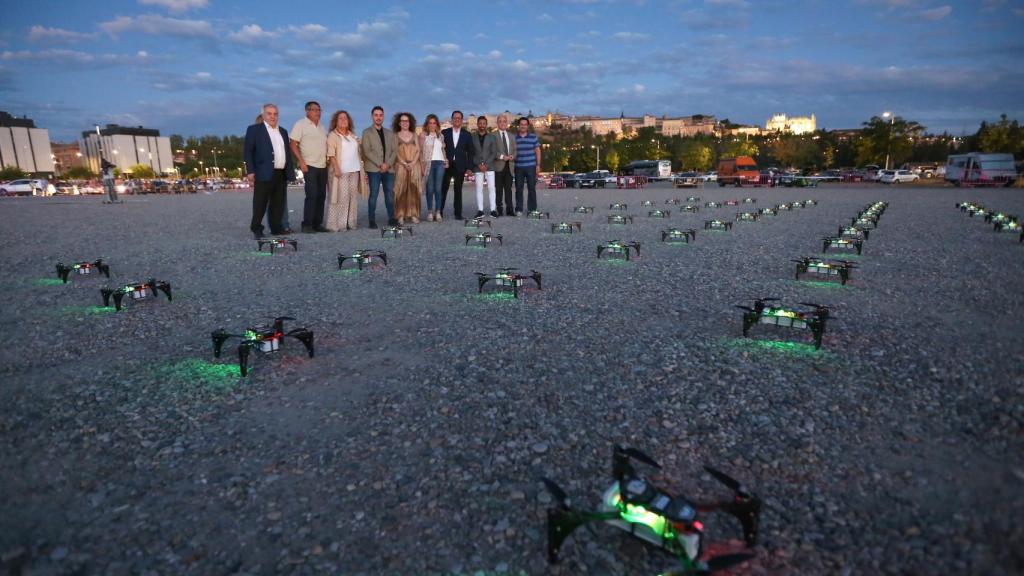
x=87 y=309
x=196 y=374
x=347 y=271
x=823 y=284
x=48 y=282
x=495 y=297
x=789 y=348
x=258 y=253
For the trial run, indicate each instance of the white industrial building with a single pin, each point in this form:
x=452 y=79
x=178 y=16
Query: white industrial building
x=125 y=147
x=24 y=146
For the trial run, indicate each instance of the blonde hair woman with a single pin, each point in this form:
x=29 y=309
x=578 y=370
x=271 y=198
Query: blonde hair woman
x=345 y=172
x=408 y=170
x=434 y=162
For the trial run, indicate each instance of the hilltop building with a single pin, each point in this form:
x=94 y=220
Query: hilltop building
x=791 y=125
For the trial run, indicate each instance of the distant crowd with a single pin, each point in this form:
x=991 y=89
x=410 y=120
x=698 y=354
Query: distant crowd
x=338 y=167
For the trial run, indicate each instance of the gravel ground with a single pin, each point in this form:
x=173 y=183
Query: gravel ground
x=414 y=441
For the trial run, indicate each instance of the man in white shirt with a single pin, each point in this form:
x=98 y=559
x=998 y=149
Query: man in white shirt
x=309 y=144
x=268 y=163
x=458 y=145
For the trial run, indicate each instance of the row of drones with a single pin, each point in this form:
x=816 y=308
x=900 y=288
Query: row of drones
x=815 y=316
x=1001 y=221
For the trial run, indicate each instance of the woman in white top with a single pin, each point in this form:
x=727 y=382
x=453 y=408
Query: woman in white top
x=343 y=185
x=434 y=162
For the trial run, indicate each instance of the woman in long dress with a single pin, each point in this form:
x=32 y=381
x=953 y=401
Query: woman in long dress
x=408 y=170
x=344 y=166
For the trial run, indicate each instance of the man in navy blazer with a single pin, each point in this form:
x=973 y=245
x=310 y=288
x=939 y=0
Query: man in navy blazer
x=268 y=165
x=460 y=151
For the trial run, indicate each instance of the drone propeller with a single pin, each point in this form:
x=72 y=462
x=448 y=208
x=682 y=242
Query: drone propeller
x=730 y=482
x=764 y=299
x=747 y=308
x=556 y=491
x=639 y=456
x=813 y=305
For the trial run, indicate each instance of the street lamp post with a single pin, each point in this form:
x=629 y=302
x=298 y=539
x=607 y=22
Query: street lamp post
x=888 y=140
x=598 y=148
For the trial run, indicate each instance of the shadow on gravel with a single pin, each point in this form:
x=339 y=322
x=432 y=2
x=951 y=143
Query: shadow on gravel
x=787 y=348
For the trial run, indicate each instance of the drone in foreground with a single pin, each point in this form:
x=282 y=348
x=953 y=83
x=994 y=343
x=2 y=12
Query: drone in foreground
x=784 y=206
x=659 y=214
x=647 y=203
x=693 y=198
x=762 y=313
x=1007 y=226
x=398 y=231
x=618 y=249
x=690 y=208
x=82 y=268
x=717 y=225
x=277 y=242
x=732 y=202
x=135 y=291
x=855 y=232
x=476 y=222
x=583 y=209
x=838 y=242
x=620 y=219
x=566 y=227
x=827 y=269
x=747 y=216
x=362 y=258
x=618 y=206
x=674 y=201
x=263 y=339
x=769 y=211
x=712 y=204
x=676 y=235
x=506 y=279
x=750 y=200
x=670 y=522
x=483 y=238
x=538 y=215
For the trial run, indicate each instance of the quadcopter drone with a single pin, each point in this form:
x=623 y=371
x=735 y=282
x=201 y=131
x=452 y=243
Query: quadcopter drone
x=135 y=291
x=797 y=204
x=865 y=222
x=689 y=208
x=362 y=258
x=264 y=339
x=277 y=242
x=476 y=223
x=1007 y=226
x=677 y=235
x=732 y=202
x=659 y=214
x=647 y=203
x=810 y=202
x=538 y=215
x=618 y=249
x=483 y=238
x=566 y=227
x=841 y=243
x=618 y=206
x=82 y=268
x=674 y=201
x=824 y=268
x=670 y=522
x=717 y=225
x=853 y=232
x=620 y=219
x=398 y=231
x=994 y=217
x=769 y=211
x=747 y=216
x=784 y=206
x=712 y=204
x=750 y=200
x=969 y=206
x=506 y=279
x=979 y=211
x=762 y=313
x=583 y=209
x=693 y=198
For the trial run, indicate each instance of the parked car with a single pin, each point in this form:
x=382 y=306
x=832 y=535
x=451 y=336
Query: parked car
x=897 y=176
x=711 y=176
x=687 y=180
x=23 y=187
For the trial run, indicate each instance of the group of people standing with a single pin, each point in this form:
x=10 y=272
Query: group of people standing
x=338 y=167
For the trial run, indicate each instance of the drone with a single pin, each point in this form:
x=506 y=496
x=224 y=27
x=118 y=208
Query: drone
x=865 y=222
x=670 y=522
x=506 y=279
x=538 y=215
x=712 y=204
x=689 y=208
x=762 y=313
x=853 y=232
x=813 y=202
x=398 y=231
x=969 y=206
x=785 y=206
x=677 y=235
x=747 y=216
x=750 y=200
x=824 y=268
x=618 y=206
x=82 y=268
x=277 y=242
x=264 y=339
x=732 y=202
x=659 y=214
x=994 y=217
x=362 y=258
x=483 y=238
x=841 y=243
x=674 y=201
x=979 y=211
x=693 y=198
x=618 y=249
x=797 y=204
x=476 y=223
x=1007 y=226
x=566 y=227
x=135 y=291
x=620 y=219
x=647 y=203
x=717 y=225
x=769 y=211
x=583 y=209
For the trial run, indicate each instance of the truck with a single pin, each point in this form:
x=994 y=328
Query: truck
x=738 y=171
x=977 y=169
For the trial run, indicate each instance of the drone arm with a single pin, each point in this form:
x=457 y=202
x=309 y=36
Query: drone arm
x=304 y=336
x=164 y=287
x=746 y=510
x=562 y=522
x=103 y=267
x=243 y=357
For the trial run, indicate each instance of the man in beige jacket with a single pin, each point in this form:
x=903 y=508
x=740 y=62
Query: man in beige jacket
x=379 y=149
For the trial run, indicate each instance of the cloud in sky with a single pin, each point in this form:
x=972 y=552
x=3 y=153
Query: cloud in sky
x=156 y=25
x=57 y=35
x=939 y=13
x=177 y=6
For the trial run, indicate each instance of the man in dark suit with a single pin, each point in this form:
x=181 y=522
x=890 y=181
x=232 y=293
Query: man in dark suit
x=460 y=151
x=269 y=166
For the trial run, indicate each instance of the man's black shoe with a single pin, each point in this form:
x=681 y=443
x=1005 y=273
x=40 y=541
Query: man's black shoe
x=510 y=212
x=479 y=214
x=307 y=229
x=494 y=214
x=286 y=232
x=458 y=216
x=373 y=225
x=258 y=235
x=320 y=229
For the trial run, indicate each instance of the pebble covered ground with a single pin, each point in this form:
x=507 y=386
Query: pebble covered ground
x=414 y=441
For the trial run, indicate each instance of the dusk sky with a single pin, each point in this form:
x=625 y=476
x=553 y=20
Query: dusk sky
x=197 y=67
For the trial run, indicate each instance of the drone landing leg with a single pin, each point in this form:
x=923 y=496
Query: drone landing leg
x=166 y=289
x=562 y=523
x=117 y=300
x=306 y=337
x=243 y=358
x=105 y=292
x=218 y=337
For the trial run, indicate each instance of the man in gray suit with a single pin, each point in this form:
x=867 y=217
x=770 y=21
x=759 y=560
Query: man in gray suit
x=485 y=155
x=379 y=150
x=504 y=165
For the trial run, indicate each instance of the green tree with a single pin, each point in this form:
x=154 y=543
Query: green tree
x=555 y=157
x=1003 y=136
x=695 y=155
x=737 y=147
x=612 y=160
x=141 y=171
x=865 y=153
x=78 y=173
x=11 y=173
x=894 y=137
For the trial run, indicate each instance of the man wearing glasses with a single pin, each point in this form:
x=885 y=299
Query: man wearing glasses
x=309 y=144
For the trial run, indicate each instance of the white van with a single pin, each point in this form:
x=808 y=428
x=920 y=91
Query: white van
x=978 y=168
